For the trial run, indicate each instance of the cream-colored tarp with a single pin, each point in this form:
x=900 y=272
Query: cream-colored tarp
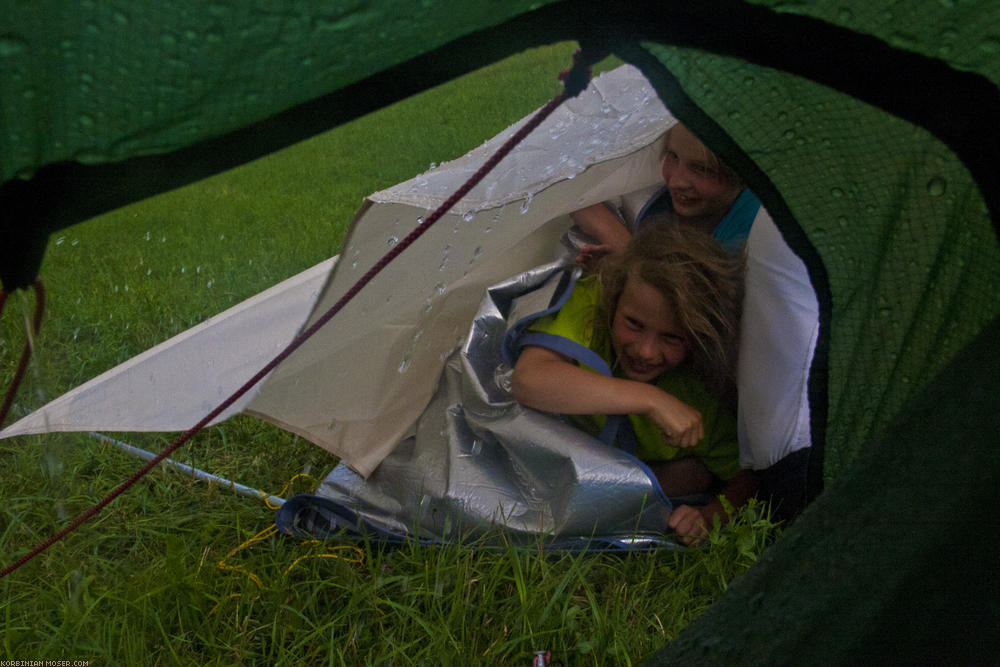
x=357 y=387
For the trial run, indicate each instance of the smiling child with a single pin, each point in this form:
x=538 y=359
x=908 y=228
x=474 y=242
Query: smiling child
x=698 y=190
x=664 y=316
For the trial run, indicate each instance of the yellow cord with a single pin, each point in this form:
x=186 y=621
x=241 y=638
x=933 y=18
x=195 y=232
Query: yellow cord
x=262 y=535
x=267 y=498
x=332 y=552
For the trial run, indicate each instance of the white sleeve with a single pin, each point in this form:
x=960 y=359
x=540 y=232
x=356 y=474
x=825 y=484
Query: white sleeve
x=780 y=326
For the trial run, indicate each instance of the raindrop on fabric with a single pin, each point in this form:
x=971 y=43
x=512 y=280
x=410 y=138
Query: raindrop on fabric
x=526 y=204
x=936 y=186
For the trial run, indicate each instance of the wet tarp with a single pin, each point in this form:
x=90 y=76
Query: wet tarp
x=867 y=129
x=412 y=317
x=477 y=461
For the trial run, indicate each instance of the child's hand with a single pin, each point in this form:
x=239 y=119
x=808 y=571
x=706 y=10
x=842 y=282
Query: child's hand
x=680 y=423
x=590 y=255
x=689 y=523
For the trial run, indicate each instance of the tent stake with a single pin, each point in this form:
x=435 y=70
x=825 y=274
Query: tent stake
x=272 y=501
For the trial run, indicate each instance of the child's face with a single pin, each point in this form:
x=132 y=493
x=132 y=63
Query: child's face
x=698 y=190
x=645 y=333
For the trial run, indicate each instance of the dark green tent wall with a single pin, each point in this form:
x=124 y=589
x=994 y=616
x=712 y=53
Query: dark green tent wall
x=868 y=130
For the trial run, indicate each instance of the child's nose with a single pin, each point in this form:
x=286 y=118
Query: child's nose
x=647 y=347
x=678 y=179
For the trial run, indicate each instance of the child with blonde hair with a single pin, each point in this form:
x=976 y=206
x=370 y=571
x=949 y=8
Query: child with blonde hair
x=664 y=318
x=698 y=190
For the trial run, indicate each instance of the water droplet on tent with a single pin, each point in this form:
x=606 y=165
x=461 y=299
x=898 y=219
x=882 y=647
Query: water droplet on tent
x=75 y=242
x=432 y=166
x=837 y=192
x=86 y=121
x=404 y=365
x=990 y=44
x=477 y=447
x=147 y=236
x=392 y=241
x=163 y=239
x=902 y=39
x=439 y=288
x=354 y=265
x=469 y=215
x=149 y=272
x=845 y=14
x=12 y=45
x=936 y=186
x=526 y=204
x=120 y=18
x=789 y=134
x=183 y=269
x=60 y=240
x=209 y=283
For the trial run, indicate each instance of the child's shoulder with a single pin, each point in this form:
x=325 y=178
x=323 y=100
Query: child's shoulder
x=575 y=317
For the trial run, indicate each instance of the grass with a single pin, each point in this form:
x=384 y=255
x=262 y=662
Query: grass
x=140 y=583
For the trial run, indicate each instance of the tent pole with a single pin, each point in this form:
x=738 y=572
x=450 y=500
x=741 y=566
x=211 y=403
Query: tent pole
x=272 y=501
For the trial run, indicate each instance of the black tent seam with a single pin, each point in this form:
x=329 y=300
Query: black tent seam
x=670 y=90
x=66 y=193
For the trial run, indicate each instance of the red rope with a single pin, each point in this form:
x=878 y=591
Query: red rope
x=22 y=366
x=572 y=78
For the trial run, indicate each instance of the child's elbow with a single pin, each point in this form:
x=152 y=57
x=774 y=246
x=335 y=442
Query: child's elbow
x=521 y=385
x=517 y=387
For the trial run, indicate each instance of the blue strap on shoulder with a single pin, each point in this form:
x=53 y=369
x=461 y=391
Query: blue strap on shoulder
x=518 y=336
x=512 y=342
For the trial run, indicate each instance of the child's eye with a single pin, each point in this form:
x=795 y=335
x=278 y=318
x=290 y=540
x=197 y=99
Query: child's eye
x=632 y=324
x=670 y=156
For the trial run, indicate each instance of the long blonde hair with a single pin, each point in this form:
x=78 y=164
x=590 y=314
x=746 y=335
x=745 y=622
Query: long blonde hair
x=701 y=281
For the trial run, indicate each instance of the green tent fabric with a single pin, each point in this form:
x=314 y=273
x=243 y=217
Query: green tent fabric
x=867 y=129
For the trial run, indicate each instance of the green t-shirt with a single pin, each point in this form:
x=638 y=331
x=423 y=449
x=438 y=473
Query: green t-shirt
x=718 y=450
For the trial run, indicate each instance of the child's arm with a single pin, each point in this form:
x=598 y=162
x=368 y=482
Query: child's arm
x=601 y=223
x=693 y=523
x=548 y=381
